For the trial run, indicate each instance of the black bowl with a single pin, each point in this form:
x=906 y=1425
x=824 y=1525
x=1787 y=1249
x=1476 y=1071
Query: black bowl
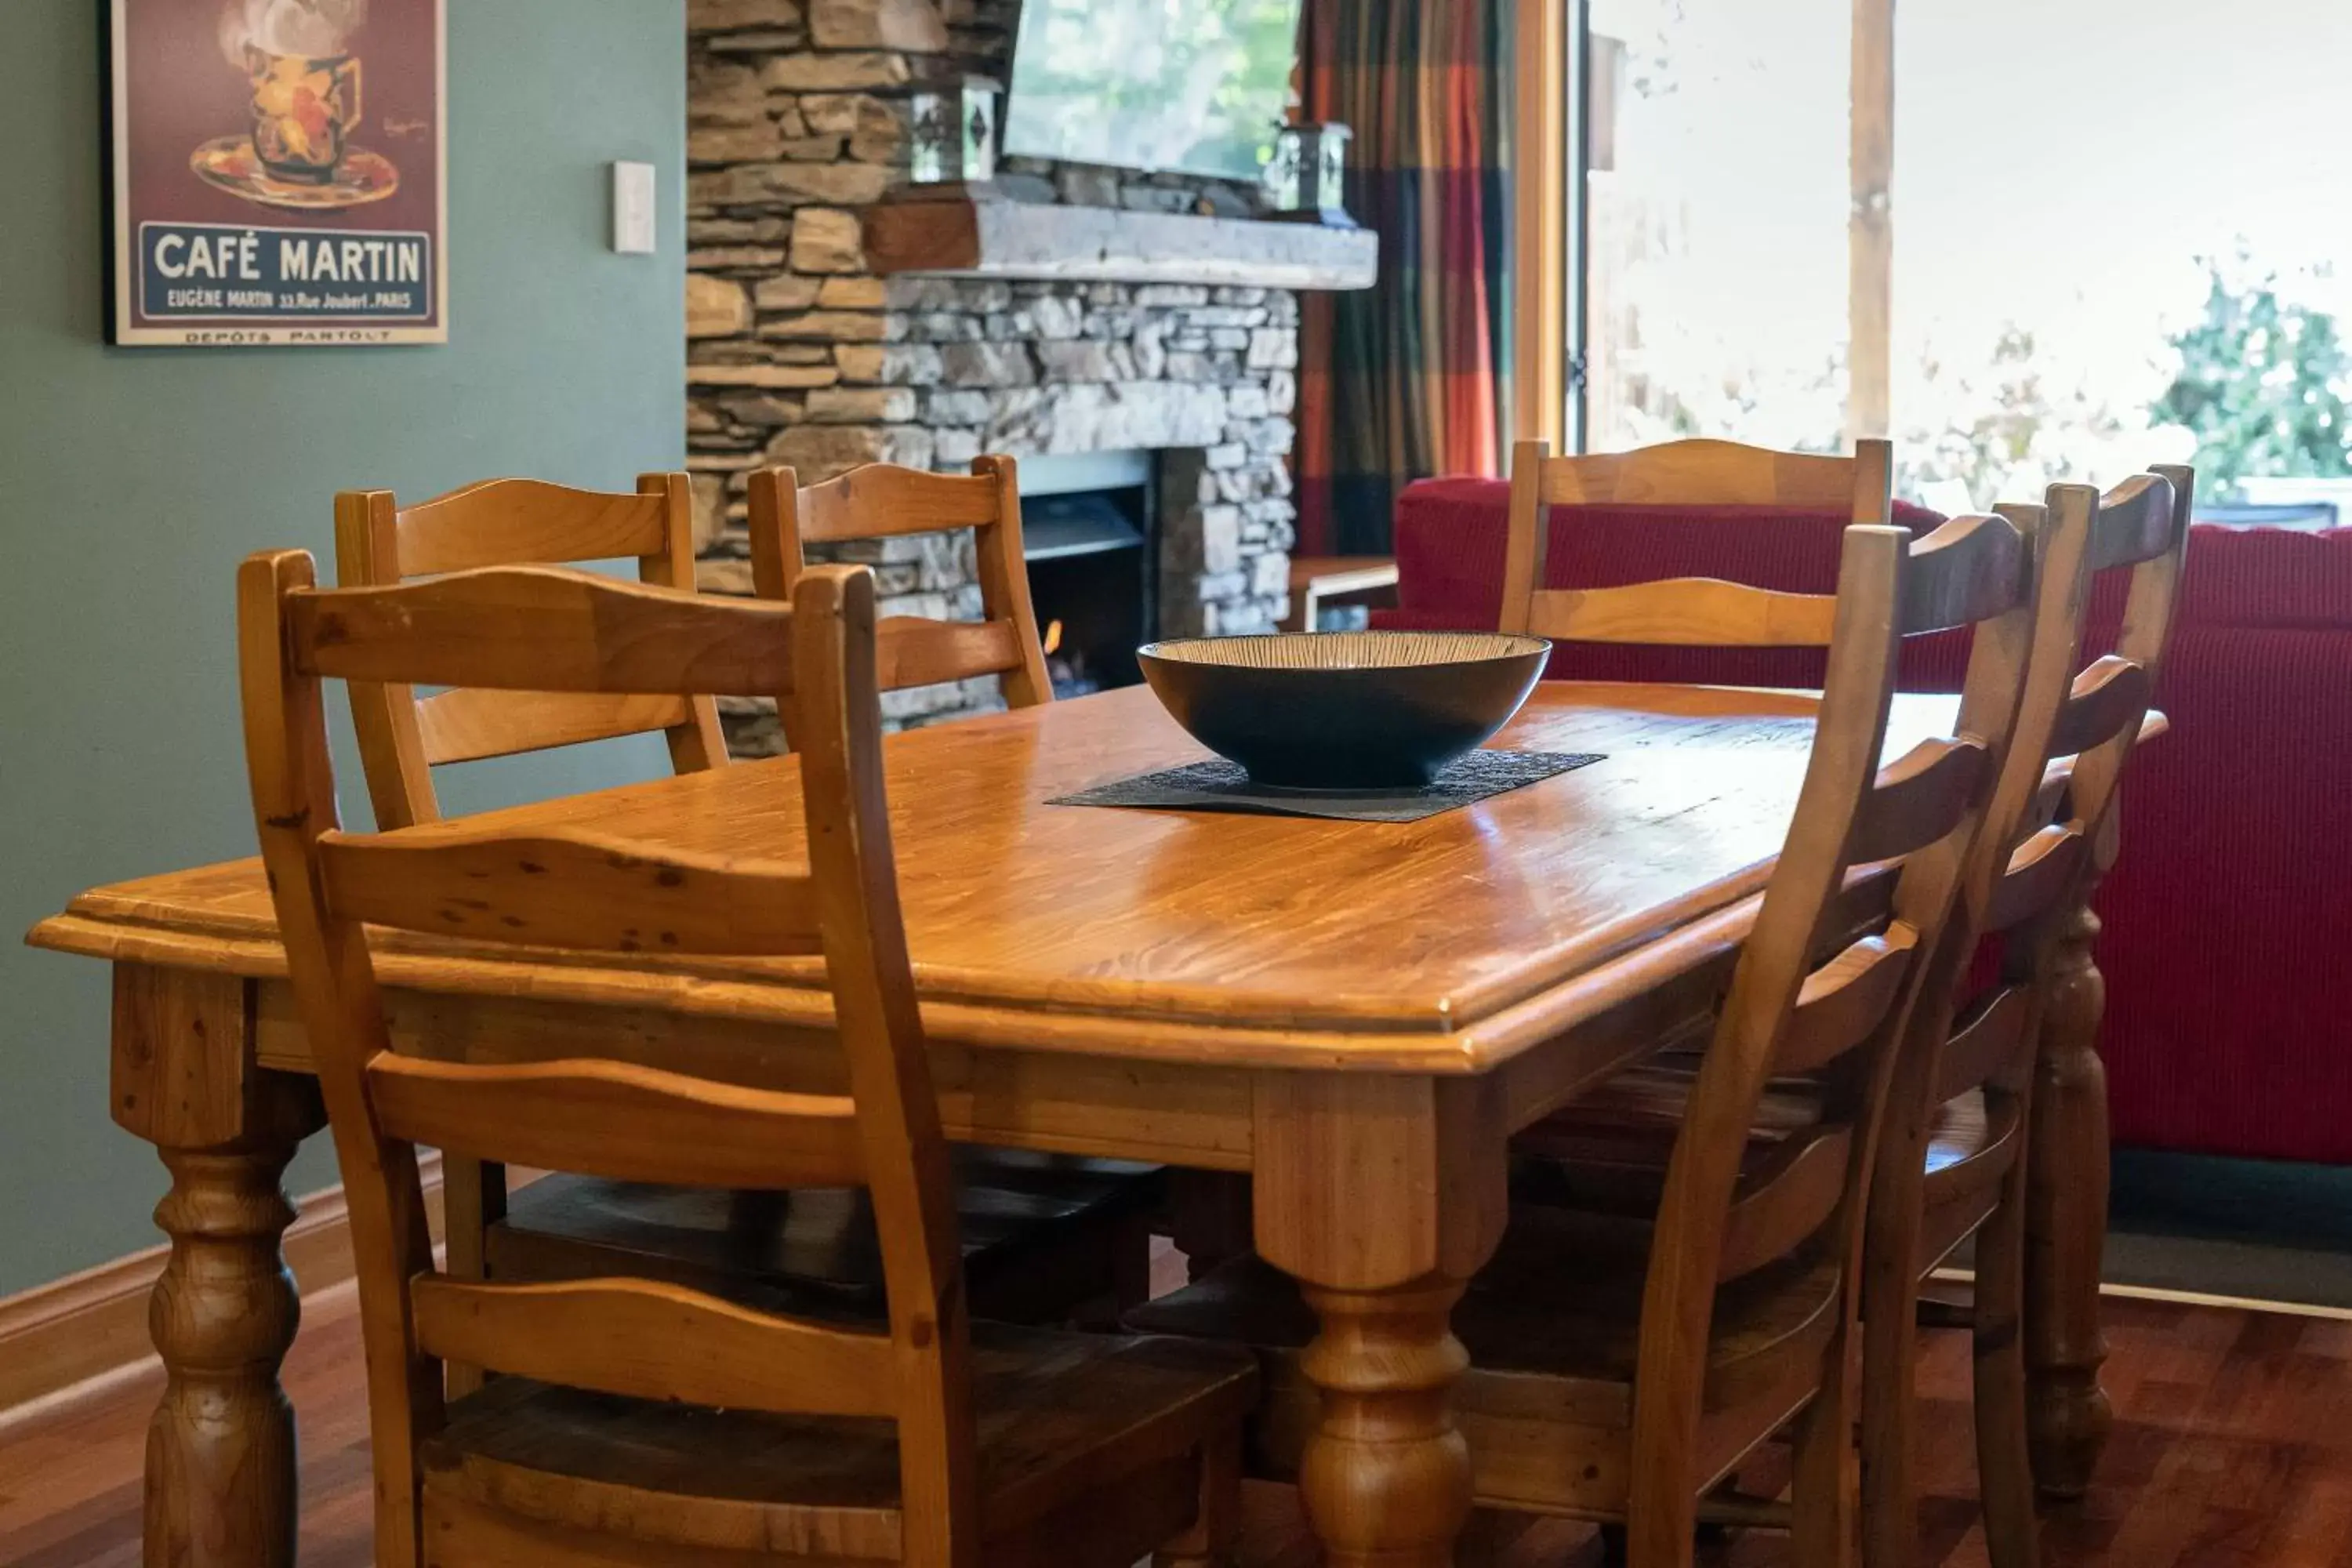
x=1344 y=710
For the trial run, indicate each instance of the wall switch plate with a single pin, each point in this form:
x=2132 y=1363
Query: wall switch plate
x=633 y=226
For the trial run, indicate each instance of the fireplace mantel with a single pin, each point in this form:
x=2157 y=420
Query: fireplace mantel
x=963 y=235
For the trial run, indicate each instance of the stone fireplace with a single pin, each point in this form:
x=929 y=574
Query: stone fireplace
x=803 y=352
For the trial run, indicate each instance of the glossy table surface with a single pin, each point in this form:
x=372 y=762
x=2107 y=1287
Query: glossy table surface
x=1441 y=945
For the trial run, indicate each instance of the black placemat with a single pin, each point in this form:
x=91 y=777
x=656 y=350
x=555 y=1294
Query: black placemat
x=1220 y=786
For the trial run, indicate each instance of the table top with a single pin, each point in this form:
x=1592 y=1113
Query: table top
x=1444 y=945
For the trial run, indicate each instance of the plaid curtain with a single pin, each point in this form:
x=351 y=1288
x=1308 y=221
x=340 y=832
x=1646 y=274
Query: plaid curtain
x=1409 y=377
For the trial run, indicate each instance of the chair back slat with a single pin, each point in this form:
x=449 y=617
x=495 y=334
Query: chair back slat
x=2137 y=522
x=2107 y=698
x=1684 y=612
x=568 y=889
x=542 y=628
x=1701 y=472
x=917 y=652
x=1919 y=798
x=467 y=725
x=2037 y=876
x=1986 y=1040
x=512 y=523
x=881 y=501
x=1788 y=1202
x=520 y=522
x=1694 y=612
x=1972 y=569
x=650 y=1340
x=1845 y=1001
x=545 y=628
x=621 y=1121
x=884 y=500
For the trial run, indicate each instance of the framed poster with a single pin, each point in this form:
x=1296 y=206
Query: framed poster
x=279 y=172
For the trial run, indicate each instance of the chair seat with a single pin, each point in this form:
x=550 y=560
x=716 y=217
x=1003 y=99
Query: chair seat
x=1614 y=1143
x=1059 y=1415
x=1608 y=1152
x=1040 y=1233
x=1552 y=1327
x=1972 y=1147
x=1560 y=1301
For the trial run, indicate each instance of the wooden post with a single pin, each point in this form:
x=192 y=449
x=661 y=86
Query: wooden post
x=1540 y=229
x=1870 y=228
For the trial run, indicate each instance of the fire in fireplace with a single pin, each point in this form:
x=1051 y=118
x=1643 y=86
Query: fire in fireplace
x=1086 y=527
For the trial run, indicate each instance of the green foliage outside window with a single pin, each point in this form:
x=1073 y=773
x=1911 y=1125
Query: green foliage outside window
x=2262 y=387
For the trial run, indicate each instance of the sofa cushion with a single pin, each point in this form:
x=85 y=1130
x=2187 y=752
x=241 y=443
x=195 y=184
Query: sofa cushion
x=2273 y=578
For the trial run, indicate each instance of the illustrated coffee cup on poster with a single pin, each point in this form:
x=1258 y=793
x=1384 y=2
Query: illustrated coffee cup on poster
x=302 y=110
x=306 y=81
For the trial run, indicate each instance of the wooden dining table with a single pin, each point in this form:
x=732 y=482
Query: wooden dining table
x=1357 y=1015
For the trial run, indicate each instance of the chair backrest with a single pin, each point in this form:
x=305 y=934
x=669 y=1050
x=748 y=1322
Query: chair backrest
x=548 y=629
x=2142 y=527
x=1826 y=978
x=2050 y=829
x=882 y=501
x=1681 y=611
x=512 y=523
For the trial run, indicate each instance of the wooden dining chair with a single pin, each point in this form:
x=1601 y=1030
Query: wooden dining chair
x=403 y=737
x=1954 y=1156
x=512 y=523
x=1041 y=1235
x=1623 y=1364
x=882 y=501
x=1686 y=611
x=640 y=1421
x=873 y=505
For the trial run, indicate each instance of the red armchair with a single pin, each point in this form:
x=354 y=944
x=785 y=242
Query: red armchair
x=2226 y=1029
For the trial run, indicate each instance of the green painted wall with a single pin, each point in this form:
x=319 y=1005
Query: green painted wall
x=132 y=481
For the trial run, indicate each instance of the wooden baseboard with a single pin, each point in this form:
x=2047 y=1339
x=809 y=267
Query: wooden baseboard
x=94 y=1323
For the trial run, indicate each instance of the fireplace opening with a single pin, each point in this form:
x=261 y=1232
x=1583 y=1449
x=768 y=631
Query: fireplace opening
x=1091 y=577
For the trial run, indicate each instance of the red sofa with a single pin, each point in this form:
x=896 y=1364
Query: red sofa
x=2228 y=940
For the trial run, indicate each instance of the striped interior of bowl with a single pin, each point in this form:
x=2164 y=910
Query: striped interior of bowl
x=1344 y=650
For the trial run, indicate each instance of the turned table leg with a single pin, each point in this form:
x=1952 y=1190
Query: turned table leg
x=2066 y=1222
x=220 y=1448
x=1386 y=1476
x=1381 y=1196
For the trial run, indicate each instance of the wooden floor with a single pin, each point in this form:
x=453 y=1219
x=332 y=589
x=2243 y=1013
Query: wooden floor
x=2233 y=1449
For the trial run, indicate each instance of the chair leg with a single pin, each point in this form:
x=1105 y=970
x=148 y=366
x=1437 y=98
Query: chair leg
x=1891 y=1266
x=1890 y=1509
x=1650 y=1540
x=1216 y=1528
x=2004 y=1460
x=1823 y=1494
